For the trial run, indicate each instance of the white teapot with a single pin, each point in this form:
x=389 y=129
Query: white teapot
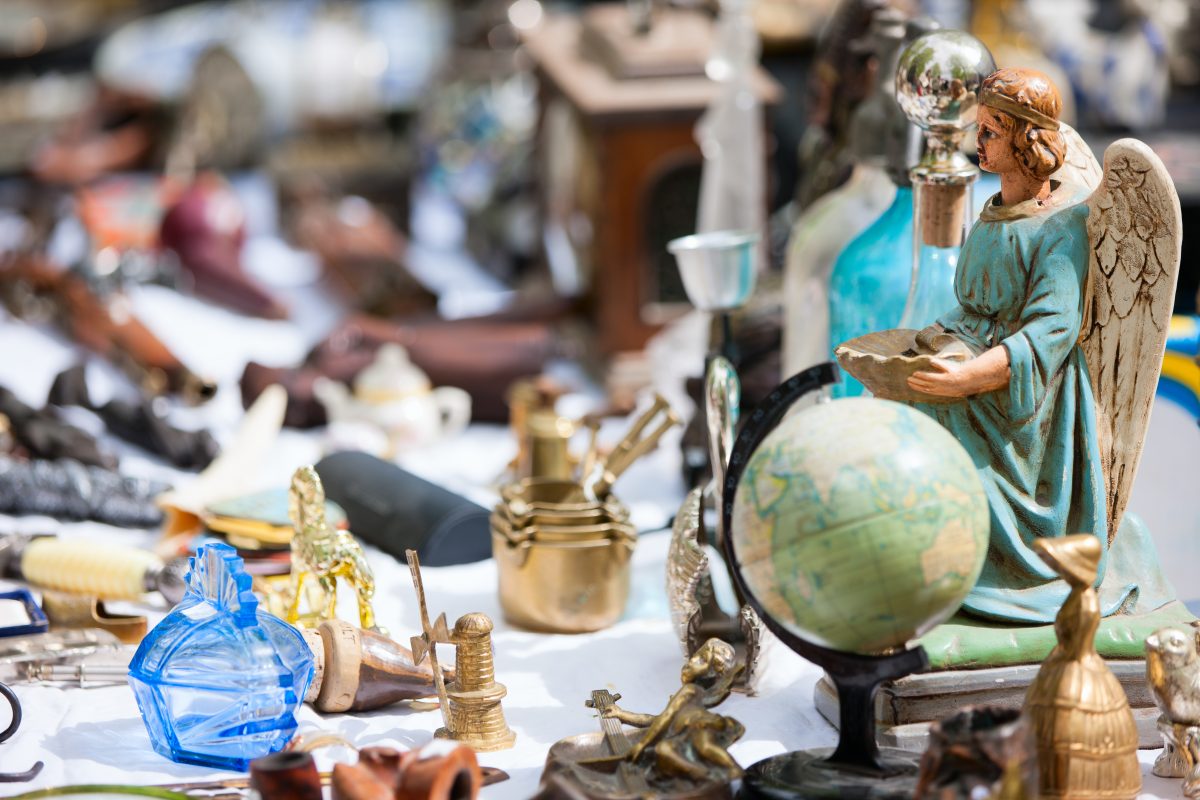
x=393 y=406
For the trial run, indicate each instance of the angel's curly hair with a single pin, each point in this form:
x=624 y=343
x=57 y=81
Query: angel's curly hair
x=1039 y=151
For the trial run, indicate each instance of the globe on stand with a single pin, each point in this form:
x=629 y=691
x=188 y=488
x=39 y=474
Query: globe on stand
x=853 y=527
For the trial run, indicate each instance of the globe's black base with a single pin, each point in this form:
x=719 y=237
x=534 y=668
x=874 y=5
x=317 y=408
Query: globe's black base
x=808 y=775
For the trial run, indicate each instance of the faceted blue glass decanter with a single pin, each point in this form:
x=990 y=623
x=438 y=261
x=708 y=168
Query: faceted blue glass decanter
x=870 y=281
x=217 y=681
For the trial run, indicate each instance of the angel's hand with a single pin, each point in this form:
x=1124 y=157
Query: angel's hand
x=945 y=379
x=611 y=712
x=984 y=373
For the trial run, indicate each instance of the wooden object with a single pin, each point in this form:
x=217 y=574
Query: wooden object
x=677 y=45
x=906 y=709
x=1086 y=736
x=102 y=324
x=943 y=210
x=386 y=774
x=325 y=553
x=360 y=670
x=621 y=177
x=979 y=752
x=289 y=775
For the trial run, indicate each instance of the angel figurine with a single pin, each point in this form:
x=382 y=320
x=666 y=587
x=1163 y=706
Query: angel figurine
x=1065 y=286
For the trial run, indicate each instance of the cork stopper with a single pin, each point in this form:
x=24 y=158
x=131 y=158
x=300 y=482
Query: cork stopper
x=943 y=208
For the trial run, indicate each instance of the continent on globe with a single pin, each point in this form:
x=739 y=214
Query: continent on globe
x=860 y=524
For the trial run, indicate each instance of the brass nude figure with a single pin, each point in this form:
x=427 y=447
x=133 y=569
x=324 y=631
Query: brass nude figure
x=686 y=739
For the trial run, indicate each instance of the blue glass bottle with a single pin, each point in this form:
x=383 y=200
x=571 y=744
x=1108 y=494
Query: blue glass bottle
x=218 y=681
x=870 y=281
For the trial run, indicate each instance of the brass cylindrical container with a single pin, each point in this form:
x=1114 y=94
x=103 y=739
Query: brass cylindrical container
x=565 y=581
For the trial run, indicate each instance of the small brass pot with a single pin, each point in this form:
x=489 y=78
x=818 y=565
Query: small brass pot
x=564 y=580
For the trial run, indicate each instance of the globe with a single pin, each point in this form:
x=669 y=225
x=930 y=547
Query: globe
x=860 y=524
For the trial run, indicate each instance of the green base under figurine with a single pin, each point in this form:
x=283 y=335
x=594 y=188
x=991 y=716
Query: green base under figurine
x=968 y=643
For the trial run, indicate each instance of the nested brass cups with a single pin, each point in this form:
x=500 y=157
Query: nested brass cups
x=563 y=559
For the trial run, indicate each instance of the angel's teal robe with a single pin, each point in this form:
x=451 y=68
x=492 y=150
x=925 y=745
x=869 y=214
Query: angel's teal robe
x=1020 y=284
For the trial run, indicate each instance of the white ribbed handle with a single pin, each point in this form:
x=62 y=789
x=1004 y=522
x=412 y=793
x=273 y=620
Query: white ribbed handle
x=84 y=567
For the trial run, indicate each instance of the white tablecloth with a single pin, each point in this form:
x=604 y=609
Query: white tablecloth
x=96 y=735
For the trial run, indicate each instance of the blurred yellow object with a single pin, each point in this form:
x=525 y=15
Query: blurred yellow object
x=85 y=567
x=263 y=533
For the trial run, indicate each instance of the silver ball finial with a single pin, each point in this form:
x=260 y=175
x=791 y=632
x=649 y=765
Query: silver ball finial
x=938 y=80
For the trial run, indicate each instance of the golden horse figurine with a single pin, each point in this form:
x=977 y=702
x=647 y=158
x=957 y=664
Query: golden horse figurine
x=324 y=552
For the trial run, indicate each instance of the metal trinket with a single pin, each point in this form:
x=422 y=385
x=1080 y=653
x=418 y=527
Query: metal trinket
x=323 y=552
x=563 y=547
x=1173 y=673
x=1086 y=738
x=471 y=705
x=681 y=752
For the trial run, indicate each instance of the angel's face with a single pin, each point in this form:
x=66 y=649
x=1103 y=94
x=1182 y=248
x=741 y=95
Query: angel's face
x=993 y=140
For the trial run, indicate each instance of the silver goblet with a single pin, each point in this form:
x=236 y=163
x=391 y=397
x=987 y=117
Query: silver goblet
x=718 y=271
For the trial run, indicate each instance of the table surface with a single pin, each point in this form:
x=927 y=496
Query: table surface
x=96 y=735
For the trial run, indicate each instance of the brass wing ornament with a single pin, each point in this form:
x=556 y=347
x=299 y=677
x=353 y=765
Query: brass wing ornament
x=695 y=613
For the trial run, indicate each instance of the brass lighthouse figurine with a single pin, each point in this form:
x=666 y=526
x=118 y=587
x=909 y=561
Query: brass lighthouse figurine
x=471 y=704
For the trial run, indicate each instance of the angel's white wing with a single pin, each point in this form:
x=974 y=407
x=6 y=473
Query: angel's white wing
x=1080 y=167
x=1135 y=230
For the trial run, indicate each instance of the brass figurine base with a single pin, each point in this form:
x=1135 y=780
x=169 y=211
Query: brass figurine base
x=808 y=774
x=581 y=766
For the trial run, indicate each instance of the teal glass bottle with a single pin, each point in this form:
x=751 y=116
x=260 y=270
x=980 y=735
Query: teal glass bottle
x=870 y=281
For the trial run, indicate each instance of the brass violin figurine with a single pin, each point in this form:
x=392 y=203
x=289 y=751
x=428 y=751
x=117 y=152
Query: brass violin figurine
x=1173 y=672
x=323 y=552
x=681 y=753
x=686 y=740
